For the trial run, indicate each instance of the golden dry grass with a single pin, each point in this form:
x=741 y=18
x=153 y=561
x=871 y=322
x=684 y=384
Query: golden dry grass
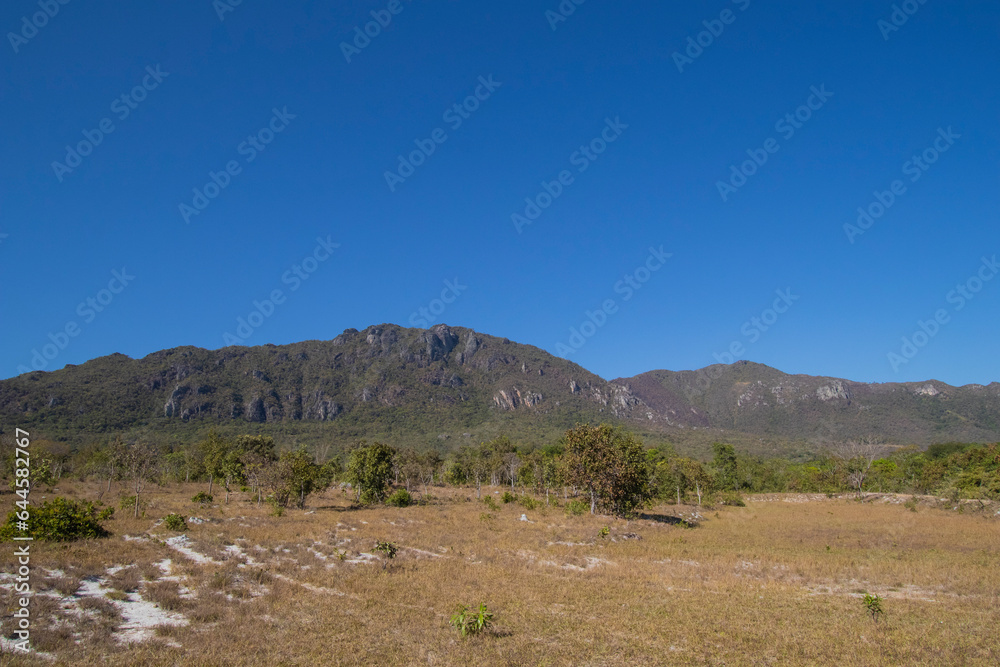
x=775 y=583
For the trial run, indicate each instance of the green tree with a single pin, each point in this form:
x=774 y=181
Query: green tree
x=726 y=466
x=369 y=468
x=610 y=464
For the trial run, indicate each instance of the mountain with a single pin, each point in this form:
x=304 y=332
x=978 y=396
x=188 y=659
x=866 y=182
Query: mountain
x=444 y=386
x=384 y=382
x=754 y=399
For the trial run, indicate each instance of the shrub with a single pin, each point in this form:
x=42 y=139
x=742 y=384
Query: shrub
x=508 y=497
x=58 y=520
x=400 y=498
x=527 y=502
x=175 y=522
x=490 y=503
x=387 y=549
x=576 y=508
x=277 y=508
x=128 y=503
x=202 y=498
x=604 y=532
x=732 y=499
x=469 y=622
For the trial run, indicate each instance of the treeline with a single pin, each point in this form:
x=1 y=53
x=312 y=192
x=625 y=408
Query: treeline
x=608 y=466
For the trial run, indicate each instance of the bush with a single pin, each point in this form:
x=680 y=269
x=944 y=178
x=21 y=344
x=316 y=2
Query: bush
x=576 y=508
x=527 y=502
x=128 y=503
x=400 y=498
x=732 y=499
x=508 y=497
x=202 y=498
x=58 y=520
x=175 y=522
x=277 y=508
x=490 y=503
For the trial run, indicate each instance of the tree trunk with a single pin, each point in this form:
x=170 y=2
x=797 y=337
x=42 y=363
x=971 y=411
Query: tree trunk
x=593 y=501
x=135 y=515
x=697 y=488
x=211 y=480
x=678 y=495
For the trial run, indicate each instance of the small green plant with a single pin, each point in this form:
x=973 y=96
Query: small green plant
x=911 y=504
x=202 y=498
x=469 y=622
x=341 y=555
x=400 y=498
x=604 y=532
x=387 y=549
x=492 y=504
x=873 y=604
x=175 y=522
x=576 y=508
x=508 y=497
x=486 y=517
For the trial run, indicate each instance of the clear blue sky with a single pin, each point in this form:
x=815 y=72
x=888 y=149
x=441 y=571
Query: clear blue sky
x=884 y=95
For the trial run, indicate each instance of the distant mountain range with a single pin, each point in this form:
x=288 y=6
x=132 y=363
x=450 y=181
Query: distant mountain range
x=447 y=385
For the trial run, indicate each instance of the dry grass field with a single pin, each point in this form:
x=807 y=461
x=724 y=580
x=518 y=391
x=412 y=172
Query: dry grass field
x=778 y=582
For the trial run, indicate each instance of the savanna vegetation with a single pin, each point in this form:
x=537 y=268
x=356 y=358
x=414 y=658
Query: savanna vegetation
x=594 y=549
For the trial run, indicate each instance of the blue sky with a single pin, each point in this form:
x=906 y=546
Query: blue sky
x=616 y=110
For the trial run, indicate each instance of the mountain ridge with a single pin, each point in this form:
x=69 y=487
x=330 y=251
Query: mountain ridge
x=430 y=385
